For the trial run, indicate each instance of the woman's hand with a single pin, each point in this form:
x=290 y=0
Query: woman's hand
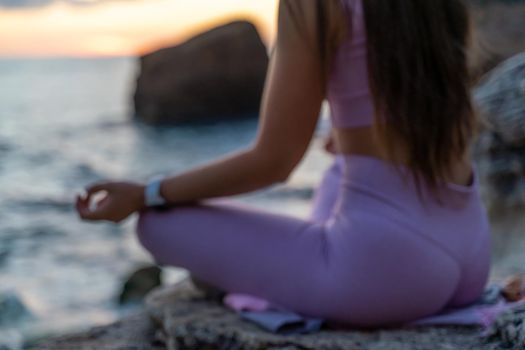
x=117 y=201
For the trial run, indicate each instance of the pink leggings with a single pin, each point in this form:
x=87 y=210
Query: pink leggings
x=369 y=254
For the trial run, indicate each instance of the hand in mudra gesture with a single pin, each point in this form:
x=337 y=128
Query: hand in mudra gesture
x=110 y=201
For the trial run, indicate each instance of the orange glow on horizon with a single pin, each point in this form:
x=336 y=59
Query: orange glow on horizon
x=265 y=32
x=122 y=28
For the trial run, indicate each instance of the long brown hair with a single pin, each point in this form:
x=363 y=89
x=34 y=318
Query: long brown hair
x=419 y=79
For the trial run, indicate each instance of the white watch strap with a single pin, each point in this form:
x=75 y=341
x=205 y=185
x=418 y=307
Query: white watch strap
x=152 y=195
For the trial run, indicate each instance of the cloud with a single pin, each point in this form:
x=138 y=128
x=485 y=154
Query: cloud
x=21 y=4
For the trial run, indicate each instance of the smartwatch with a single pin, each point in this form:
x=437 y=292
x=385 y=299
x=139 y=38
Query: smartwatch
x=152 y=197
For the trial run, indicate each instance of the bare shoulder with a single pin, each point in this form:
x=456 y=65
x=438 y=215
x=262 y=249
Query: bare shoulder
x=305 y=19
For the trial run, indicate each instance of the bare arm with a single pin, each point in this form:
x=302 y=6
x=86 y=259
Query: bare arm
x=289 y=112
x=290 y=108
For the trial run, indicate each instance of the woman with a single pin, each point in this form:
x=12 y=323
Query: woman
x=398 y=230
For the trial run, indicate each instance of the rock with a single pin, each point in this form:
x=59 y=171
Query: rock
x=217 y=75
x=135 y=332
x=500 y=149
x=187 y=320
x=500 y=32
x=12 y=310
x=509 y=328
x=501 y=99
x=209 y=291
x=140 y=283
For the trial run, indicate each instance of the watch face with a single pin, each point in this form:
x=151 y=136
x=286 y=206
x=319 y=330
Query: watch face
x=152 y=193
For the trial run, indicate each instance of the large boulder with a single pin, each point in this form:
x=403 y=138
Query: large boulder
x=216 y=75
x=500 y=150
x=501 y=99
x=500 y=157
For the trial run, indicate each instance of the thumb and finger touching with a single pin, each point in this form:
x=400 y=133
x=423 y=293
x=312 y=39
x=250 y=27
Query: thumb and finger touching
x=99 y=194
x=98 y=187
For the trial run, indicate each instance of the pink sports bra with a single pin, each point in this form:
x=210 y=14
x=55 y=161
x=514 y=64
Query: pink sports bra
x=348 y=91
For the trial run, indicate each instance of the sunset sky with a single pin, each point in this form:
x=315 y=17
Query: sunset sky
x=37 y=28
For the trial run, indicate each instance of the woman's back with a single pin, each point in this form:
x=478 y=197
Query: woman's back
x=352 y=103
x=458 y=226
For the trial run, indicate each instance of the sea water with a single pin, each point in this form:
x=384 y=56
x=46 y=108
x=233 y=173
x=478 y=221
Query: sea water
x=65 y=123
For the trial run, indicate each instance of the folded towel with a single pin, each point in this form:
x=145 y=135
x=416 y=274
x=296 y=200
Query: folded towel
x=277 y=319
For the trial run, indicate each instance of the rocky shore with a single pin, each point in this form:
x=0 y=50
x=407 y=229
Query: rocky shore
x=181 y=317
x=133 y=332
